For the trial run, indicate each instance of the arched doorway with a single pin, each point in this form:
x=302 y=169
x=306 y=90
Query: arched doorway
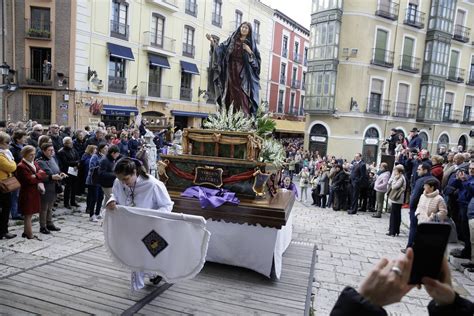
x=463 y=142
x=424 y=140
x=318 y=139
x=370 y=149
x=443 y=141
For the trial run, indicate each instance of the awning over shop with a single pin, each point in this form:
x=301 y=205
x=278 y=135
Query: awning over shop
x=118 y=110
x=120 y=51
x=285 y=126
x=159 y=61
x=189 y=68
x=191 y=114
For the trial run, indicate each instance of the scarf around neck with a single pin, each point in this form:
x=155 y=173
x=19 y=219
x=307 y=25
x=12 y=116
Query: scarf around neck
x=31 y=164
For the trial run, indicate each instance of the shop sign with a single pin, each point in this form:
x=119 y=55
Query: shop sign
x=371 y=141
x=319 y=139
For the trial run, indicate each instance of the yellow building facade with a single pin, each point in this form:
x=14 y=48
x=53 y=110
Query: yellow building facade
x=152 y=57
x=375 y=65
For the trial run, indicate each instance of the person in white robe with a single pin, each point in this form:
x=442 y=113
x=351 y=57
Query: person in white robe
x=134 y=187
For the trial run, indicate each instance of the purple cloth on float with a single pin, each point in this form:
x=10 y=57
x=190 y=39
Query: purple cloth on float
x=211 y=198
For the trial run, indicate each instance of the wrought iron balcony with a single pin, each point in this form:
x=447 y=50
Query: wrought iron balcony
x=162 y=43
x=409 y=63
x=188 y=50
x=117 y=84
x=191 y=8
x=37 y=76
x=119 y=30
x=414 y=18
x=284 y=53
x=456 y=74
x=297 y=58
x=468 y=117
x=282 y=79
x=429 y=114
x=295 y=84
x=382 y=57
x=406 y=110
x=378 y=106
x=217 y=20
x=159 y=91
x=461 y=33
x=387 y=9
x=185 y=94
x=452 y=117
x=470 y=79
x=37 y=28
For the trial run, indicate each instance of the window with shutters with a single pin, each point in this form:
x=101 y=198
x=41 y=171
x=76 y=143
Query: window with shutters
x=284 y=50
x=281 y=96
x=375 y=99
x=468 y=110
x=448 y=105
x=283 y=73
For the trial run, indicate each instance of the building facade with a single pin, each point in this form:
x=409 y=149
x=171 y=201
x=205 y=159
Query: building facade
x=288 y=74
x=379 y=64
x=39 y=49
x=152 y=57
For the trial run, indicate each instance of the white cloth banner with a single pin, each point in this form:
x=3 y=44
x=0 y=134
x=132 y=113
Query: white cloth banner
x=253 y=247
x=172 y=245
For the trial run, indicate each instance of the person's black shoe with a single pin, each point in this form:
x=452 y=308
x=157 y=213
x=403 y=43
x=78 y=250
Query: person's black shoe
x=55 y=204
x=75 y=205
x=470 y=269
x=156 y=280
x=67 y=206
x=53 y=228
x=371 y=210
x=459 y=253
x=351 y=212
x=361 y=210
x=45 y=231
x=468 y=265
x=8 y=236
x=377 y=216
x=391 y=235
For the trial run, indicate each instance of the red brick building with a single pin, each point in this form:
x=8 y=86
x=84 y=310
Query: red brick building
x=287 y=73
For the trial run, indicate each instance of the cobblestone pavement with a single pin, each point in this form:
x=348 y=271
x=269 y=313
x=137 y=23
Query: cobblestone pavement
x=348 y=246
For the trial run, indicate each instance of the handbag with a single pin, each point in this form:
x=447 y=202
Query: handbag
x=395 y=195
x=453 y=234
x=9 y=185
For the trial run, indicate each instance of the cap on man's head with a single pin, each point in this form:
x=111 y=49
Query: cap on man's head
x=414 y=130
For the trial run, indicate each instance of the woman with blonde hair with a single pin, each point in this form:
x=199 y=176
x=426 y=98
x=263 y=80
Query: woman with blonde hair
x=31 y=177
x=396 y=192
x=7 y=167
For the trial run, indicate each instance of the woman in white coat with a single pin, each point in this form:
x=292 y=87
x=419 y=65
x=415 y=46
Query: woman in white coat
x=134 y=187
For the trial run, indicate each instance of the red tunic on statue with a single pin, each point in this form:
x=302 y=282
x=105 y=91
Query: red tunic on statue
x=235 y=93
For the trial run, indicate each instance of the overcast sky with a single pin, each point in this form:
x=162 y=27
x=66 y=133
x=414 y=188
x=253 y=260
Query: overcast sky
x=298 y=10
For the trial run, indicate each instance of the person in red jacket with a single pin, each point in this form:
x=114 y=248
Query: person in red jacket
x=437 y=167
x=31 y=177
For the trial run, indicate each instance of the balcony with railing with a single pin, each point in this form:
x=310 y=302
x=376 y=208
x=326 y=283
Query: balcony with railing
x=119 y=30
x=186 y=94
x=461 y=33
x=405 y=110
x=468 y=117
x=452 y=116
x=378 y=106
x=456 y=74
x=159 y=44
x=157 y=90
x=282 y=79
x=37 y=76
x=382 y=57
x=387 y=9
x=297 y=58
x=117 y=84
x=188 y=50
x=171 y=5
x=470 y=78
x=217 y=20
x=414 y=18
x=38 y=29
x=429 y=114
x=295 y=84
x=191 y=8
x=409 y=63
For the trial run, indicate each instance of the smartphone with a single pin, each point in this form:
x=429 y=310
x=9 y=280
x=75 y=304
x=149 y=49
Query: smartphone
x=429 y=247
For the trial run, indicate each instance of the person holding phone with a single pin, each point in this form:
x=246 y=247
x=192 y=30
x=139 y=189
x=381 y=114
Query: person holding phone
x=388 y=283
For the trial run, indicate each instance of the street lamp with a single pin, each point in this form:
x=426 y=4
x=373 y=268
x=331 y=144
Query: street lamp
x=4 y=69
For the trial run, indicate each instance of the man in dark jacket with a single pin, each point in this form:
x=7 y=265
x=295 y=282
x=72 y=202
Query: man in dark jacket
x=98 y=137
x=134 y=144
x=18 y=141
x=392 y=141
x=35 y=134
x=68 y=158
x=415 y=140
x=359 y=180
x=106 y=171
x=56 y=139
x=424 y=174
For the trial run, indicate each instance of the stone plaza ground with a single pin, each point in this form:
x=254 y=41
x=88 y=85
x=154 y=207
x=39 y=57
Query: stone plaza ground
x=348 y=247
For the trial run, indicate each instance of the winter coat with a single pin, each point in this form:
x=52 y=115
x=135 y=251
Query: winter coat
x=80 y=147
x=93 y=162
x=29 y=201
x=339 y=181
x=106 y=171
x=304 y=179
x=415 y=142
x=417 y=191
x=381 y=182
x=68 y=157
x=16 y=151
x=397 y=184
x=324 y=183
x=431 y=204
x=359 y=176
x=51 y=167
x=437 y=172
